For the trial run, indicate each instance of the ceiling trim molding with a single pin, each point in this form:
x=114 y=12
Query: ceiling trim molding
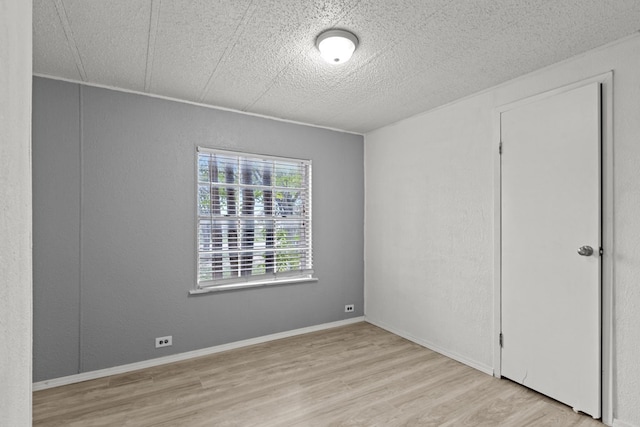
x=197 y=104
x=517 y=79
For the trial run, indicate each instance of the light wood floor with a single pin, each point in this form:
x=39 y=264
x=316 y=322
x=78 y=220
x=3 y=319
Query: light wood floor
x=357 y=375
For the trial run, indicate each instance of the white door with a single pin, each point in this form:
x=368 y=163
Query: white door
x=550 y=208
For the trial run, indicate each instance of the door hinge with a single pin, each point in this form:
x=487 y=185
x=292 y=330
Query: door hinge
x=500 y=148
x=501 y=340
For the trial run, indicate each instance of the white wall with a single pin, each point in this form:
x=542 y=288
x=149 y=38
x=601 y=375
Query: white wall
x=429 y=219
x=428 y=230
x=15 y=212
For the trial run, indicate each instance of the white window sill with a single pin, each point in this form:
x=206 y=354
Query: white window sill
x=249 y=285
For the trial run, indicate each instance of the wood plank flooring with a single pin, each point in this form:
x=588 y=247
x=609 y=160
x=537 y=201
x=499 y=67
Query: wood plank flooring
x=357 y=375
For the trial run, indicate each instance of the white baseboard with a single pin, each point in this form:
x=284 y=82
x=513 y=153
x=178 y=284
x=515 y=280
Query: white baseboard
x=85 y=376
x=618 y=423
x=452 y=355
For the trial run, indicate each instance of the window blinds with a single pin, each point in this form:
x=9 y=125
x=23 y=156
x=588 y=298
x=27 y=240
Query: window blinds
x=254 y=218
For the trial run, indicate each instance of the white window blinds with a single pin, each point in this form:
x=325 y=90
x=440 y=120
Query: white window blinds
x=254 y=219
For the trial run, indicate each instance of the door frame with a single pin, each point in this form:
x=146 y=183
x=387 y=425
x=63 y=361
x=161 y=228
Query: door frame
x=606 y=81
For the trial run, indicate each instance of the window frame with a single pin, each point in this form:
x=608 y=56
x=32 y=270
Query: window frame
x=270 y=279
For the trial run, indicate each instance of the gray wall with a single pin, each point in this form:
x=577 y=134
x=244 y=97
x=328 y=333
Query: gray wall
x=114 y=238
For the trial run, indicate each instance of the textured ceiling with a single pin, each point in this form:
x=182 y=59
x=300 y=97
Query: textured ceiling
x=259 y=56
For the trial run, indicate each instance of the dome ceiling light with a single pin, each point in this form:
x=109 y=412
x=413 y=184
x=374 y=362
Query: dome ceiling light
x=336 y=46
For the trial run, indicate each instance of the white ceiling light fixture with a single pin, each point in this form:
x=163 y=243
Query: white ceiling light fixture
x=336 y=46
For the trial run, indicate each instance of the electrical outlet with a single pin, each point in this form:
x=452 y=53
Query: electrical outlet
x=164 y=341
x=348 y=308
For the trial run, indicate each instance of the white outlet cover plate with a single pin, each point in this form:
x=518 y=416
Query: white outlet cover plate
x=164 y=341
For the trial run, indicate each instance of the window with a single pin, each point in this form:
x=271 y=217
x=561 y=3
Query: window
x=254 y=220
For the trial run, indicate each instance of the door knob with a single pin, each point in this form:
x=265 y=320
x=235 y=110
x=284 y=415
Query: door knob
x=585 y=251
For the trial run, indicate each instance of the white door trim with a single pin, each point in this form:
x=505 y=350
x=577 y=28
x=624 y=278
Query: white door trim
x=606 y=80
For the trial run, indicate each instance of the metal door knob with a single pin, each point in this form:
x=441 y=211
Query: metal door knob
x=585 y=251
